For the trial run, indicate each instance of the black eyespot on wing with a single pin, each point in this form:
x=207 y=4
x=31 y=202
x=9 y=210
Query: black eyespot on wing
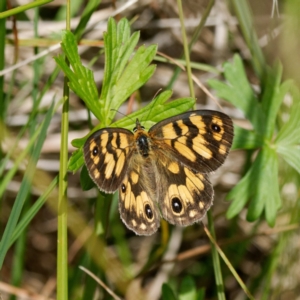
x=123 y=188
x=95 y=151
x=176 y=205
x=148 y=211
x=216 y=128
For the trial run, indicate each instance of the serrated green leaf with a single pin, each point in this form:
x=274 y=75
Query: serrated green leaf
x=111 y=55
x=81 y=79
x=239 y=195
x=167 y=293
x=272 y=97
x=136 y=74
x=260 y=186
x=122 y=78
x=246 y=139
x=152 y=113
x=119 y=46
x=239 y=92
x=188 y=289
x=156 y=111
x=291 y=154
x=265 y=189
x=290 y=133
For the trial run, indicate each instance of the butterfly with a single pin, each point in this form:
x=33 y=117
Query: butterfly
x=162 y=172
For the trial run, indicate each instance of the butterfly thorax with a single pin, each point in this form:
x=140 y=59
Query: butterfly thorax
x=142 y=139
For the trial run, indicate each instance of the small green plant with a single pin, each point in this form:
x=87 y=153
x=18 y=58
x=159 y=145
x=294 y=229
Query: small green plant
x=268 y=139
x=125 y=71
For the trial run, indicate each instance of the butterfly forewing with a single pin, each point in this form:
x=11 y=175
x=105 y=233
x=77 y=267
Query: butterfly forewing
x=199 y=139
x=106 y=154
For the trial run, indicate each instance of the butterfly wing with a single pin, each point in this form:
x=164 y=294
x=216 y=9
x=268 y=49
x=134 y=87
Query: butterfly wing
x=106 y=154
x=186 y=196
x=200 y=139
x=137 y=192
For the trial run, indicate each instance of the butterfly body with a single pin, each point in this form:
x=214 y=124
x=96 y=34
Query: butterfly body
x=162 y=172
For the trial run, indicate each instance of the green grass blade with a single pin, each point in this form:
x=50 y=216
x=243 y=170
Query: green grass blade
x=23 y=8
x=89 y=9
x=24 y=189
x=2 y=64
x=229 y=265
x=243 y=12
x=33 y=210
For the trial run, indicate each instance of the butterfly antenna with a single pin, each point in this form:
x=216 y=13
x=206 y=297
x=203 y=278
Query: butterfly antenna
x=127 y=116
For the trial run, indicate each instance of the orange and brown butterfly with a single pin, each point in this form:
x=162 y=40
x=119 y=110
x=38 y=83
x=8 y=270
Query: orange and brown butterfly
x=162 y=172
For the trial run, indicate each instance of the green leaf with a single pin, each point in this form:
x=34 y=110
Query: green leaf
x=290 y=133
x=188 y=289
x=76 y=160
x=291 y=154
x=167 y=293
x=89 y=9
x=239 y=195
x=260 y=187
x=239 y=92
x=136 y=74
x=121 y=78
x=119 y=46
x=266 y=191
x=272 y=97
x=246 y=139
x=81 y=79
x=155 y=111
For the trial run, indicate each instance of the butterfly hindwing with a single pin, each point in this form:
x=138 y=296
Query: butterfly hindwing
x=106 y=154
x=138 y=211
x=200 y=139
x=183 y=195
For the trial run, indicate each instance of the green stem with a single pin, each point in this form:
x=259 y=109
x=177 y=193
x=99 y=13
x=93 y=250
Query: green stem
x=186 y=49
x=62 y=232
x=216 y=260
x=195 y=37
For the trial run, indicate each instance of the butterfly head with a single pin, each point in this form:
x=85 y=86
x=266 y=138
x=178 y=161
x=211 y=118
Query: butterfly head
x=138 y=126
